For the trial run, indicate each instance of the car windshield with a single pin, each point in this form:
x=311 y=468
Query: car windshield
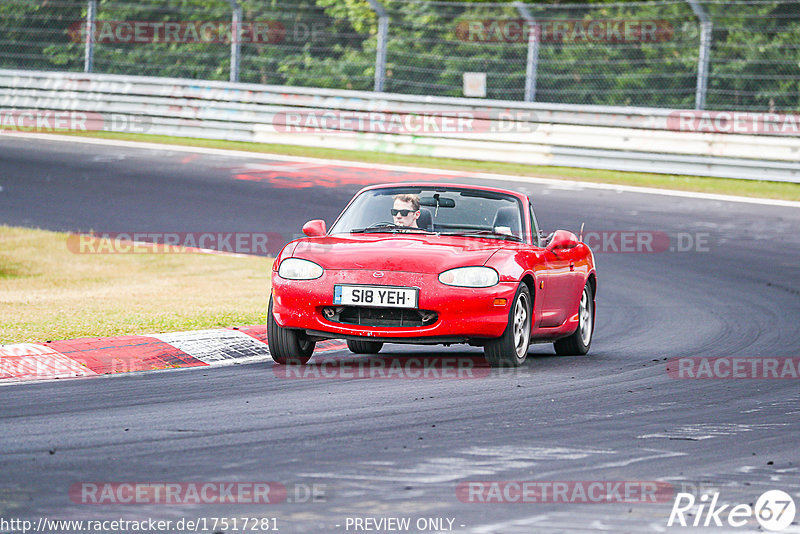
x=444 y=210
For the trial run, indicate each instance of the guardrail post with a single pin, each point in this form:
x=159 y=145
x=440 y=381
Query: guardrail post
x=236 y=45
x=704 y=55
x=88 y=58
x=533 y=52
x=383 y=37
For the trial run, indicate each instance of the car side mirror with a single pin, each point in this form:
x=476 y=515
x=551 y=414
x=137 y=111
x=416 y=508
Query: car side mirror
x=562 y=240
x=315 y=228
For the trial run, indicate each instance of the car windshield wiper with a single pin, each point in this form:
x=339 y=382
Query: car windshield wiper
x=489 y=233
x=387 y=227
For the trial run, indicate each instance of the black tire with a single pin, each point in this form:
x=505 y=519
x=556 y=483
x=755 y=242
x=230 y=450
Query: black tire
x=358 y=346
x=511 y=349
x=287 y=346
x=578 y=343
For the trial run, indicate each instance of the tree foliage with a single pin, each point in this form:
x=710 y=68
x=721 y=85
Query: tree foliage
x=754 y=62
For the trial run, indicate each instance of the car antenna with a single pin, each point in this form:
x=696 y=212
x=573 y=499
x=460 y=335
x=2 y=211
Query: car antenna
x=580 y=238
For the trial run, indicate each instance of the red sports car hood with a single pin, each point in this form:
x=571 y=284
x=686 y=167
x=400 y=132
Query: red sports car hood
x=421 y=253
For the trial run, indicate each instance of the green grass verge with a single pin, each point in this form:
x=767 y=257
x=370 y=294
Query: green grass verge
x=50 y=293
x=724 y=186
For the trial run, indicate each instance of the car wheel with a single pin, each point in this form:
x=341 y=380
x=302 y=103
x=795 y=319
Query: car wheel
x=364 y=347
x=511 y=349
x=578 y=343
x=287 y=346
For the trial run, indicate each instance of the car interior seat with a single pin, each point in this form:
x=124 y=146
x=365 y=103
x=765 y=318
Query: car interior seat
x=507 y=218
x=425 y=220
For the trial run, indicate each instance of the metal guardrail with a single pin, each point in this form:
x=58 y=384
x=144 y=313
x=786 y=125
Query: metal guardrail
x=626 y=139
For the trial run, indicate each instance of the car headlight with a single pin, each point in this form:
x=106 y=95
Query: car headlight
x=470 y=277
x=297 y=269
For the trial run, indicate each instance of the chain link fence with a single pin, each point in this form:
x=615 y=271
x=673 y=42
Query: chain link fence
x=711 y=54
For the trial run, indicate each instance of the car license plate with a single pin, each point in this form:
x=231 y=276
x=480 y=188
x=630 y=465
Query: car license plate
x=378 y=296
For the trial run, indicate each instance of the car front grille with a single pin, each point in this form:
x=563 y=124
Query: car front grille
x=387 y=317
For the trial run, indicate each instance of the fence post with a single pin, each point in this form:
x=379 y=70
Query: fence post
x=706 y=27
x=383 y=37
x=88 y=58
x=533 y=52
x=236 y=45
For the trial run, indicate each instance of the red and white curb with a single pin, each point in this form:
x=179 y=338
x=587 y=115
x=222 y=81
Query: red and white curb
x=85 y=357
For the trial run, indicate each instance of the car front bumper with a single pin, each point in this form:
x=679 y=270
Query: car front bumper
x=462 y=313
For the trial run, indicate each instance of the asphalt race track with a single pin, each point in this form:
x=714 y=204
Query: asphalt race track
x=383 y=448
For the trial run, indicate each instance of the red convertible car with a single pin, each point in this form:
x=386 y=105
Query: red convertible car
x=433 y=264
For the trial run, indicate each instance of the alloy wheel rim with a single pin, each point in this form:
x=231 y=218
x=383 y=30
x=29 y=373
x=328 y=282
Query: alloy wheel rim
x=585 y=317
x=521 y=330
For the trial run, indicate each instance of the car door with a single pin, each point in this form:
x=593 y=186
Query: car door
x=556 y=282
x=560 y=282
x=541 y=267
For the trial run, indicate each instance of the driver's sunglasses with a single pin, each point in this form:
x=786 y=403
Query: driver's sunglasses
x=403 y=213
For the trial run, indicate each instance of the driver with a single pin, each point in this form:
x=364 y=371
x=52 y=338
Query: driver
x=405 y=210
